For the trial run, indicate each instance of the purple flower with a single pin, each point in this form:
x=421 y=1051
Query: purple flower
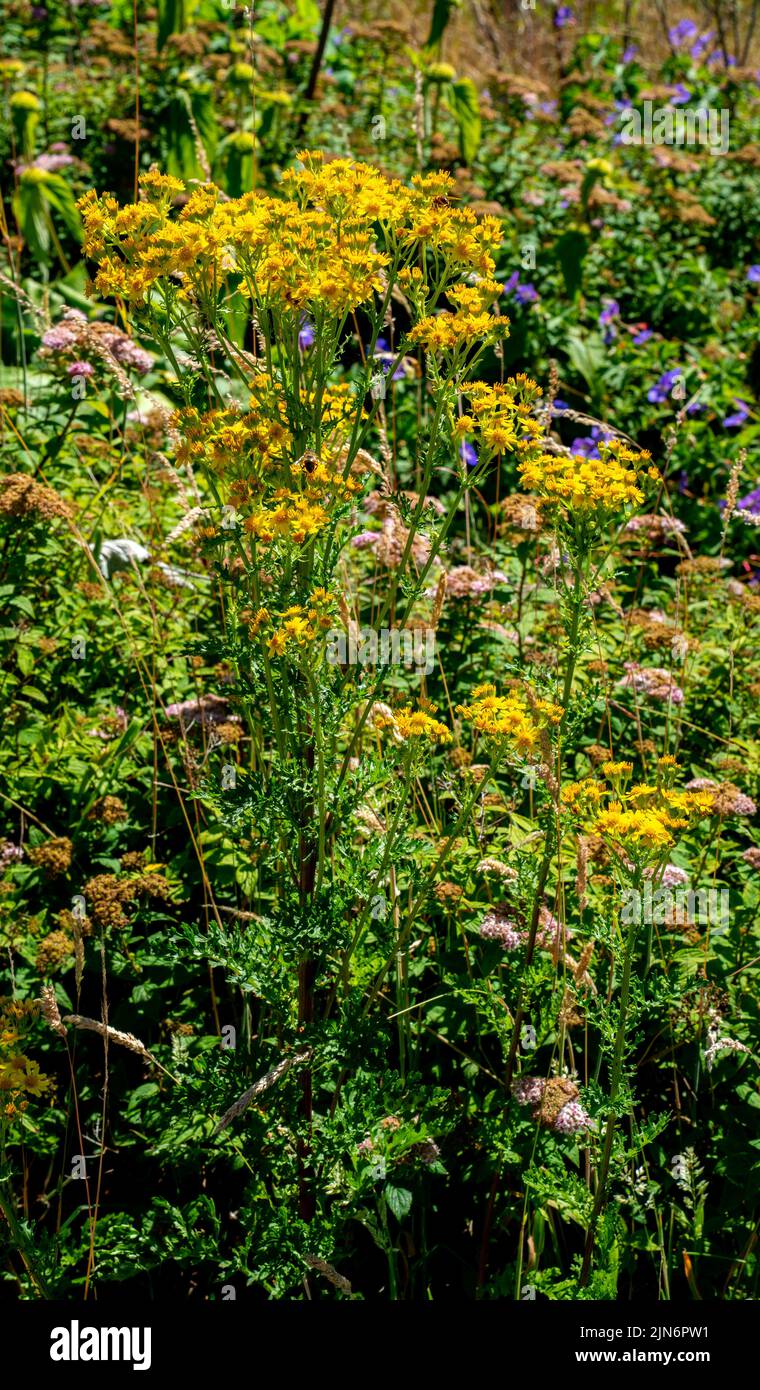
x=306 y=334
x=563 y=16
x=524 y=294
x=681 y=95
x=640 y=334
x=717 y=57
x=750 y=503
x=384 y=355
x=80 y=369
x=609 y=313
x=630 y=53
x=559 y=406
x=698 y=48
x=613 y=116
x=732 y=422
x=753 y=275
x=683 y=30
x=662 y=389
x=469 y=454
x=587 y=446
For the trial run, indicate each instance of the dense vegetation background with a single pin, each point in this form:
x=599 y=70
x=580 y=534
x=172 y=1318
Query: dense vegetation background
x=350 y=1002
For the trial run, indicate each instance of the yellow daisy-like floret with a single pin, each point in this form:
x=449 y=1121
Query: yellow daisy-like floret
x=602 y=486
x=19 y=1073
x=298 y=626
x=509 y=716
x=651 y=828
x=613 y=769
x=408 y=723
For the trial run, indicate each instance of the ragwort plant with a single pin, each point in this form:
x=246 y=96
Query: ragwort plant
x=280 y=438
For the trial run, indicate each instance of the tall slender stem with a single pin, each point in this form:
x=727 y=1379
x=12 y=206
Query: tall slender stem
x=617 y=1071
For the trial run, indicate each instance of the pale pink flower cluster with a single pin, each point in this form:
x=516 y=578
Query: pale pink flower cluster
x=571 y=1119
x=653 y=681
x=729 y=801
x=209 y=709
x=496 y=926
x=75 y=332
x=671 y=877
x=655 y=528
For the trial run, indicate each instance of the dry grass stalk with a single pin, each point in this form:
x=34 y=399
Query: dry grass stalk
x=50 y=1010
x=259 y=1087
x=337 y=1280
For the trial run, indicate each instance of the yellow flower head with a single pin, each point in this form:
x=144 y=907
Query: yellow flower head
x=601 y=487
x=408 y=723
x=508 y=717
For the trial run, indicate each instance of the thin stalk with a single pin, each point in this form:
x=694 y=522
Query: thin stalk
x=616 y=1076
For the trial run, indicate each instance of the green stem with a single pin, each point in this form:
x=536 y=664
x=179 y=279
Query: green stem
x=615 y=1079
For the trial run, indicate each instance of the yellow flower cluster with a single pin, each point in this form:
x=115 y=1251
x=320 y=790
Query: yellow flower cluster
x=471 y=325
x=509 y=716
x=280 y=497
x=600 y=486
x=290 y=518
x=323 y=248
x=408 y=723
x=644 y=817
x=502 y=415
x=19 y=1075
x=233 y=443
x=298 y=626
x=614 y=770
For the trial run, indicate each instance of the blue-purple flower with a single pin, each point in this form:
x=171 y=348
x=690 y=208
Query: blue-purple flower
x=610 y=312
x=587 y=446
x=662 y=388
x=753 y=275
x=737 y=418
x=468 y=454
x=384 y=355
x=306 y=333
x=703 y=42
x=563 y=16
x=524 y=294
x=682 y=31
x=750 y=503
